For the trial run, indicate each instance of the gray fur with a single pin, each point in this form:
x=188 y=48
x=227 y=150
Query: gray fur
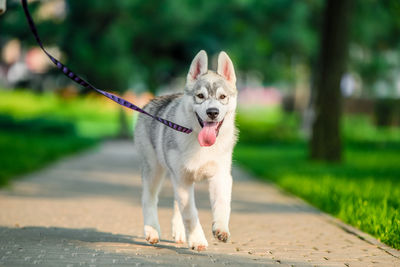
x=203 y=83
x=157 y=107
x=188 y=158
x=211 y=88
x=222 y=83
x=170 y=142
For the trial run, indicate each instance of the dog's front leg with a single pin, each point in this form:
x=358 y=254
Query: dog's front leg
x=184 y=194
x=220 y=187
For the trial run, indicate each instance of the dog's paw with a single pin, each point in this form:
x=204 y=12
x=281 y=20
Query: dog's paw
x=178 y=233
x=198 y=245
x=197 y=241
x=151 y=234
x=220 y=233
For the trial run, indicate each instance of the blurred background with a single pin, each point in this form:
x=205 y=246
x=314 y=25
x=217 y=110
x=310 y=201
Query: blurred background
x=319 y=88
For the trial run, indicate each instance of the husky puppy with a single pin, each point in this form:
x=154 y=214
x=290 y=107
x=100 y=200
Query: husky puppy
x=208 y=106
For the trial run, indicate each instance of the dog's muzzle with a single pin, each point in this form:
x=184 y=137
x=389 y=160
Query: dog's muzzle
x=209 y=131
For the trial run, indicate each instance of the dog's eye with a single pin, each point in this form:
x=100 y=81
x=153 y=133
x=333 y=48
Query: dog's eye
x=222 y=97
x=201 y=96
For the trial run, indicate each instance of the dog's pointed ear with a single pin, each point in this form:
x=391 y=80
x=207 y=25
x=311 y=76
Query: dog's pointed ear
x=198 y=67
x=225 y=68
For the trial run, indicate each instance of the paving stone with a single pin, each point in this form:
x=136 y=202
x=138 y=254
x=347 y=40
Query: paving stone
x=85 y=211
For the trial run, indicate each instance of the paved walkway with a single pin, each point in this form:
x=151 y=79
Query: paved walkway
x=85 y=211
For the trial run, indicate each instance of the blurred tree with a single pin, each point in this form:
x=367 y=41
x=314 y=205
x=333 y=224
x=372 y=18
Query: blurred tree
x=97 y=39
x=375 y=46
x=326 y=143
x=118 y=44
x=153 y=41
x=123 y=43
x=143 y=44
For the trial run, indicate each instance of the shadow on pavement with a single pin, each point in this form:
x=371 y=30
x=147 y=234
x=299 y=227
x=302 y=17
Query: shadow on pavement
x=54 y=246
x=78 y=184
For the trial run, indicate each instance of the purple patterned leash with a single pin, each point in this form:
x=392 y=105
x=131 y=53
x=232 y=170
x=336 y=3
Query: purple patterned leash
x=84 y=83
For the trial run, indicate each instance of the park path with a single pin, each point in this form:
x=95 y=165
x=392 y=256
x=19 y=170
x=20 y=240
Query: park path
x=85 y=211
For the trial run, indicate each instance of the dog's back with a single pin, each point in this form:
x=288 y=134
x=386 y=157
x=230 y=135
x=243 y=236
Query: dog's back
x=148 y=132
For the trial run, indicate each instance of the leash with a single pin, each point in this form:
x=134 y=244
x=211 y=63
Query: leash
x=67 y=72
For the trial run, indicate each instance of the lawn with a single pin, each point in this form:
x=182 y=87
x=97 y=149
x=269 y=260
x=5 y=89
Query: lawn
x=93 y=115
x=21 y=153
x=36 y=129
x=363 y=190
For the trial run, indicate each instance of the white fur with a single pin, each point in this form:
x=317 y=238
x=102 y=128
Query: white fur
x=187 y=162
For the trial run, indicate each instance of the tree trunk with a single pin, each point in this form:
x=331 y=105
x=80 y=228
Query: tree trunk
x=326 y=142
x=123 y=124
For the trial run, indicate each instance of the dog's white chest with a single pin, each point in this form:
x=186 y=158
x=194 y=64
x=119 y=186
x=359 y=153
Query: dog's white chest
x=203 y=172
x=201 y=165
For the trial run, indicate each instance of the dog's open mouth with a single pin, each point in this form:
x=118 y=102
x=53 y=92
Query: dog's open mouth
x=209 y=131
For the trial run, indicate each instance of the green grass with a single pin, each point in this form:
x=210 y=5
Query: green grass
x=21 y=153
x=259 y=124
x=93 y=116
x=363 y=190
x=36 y=129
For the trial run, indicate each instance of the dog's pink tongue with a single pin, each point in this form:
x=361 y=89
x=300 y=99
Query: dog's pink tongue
x=208 y=134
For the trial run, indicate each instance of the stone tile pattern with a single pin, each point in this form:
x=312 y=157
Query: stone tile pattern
x=85 y=211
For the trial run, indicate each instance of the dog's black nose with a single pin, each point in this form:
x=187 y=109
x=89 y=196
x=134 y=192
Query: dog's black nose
x=212 y=113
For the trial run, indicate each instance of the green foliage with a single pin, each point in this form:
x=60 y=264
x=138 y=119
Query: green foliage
x=93 y=116
x=120 y=44
x=100 y=46
x=257 y=125
x=363 y=191
x=375 y=45
x=37 y=126
x=356 y=128
x=387 y=110
x=29 y=144
x=38 y=129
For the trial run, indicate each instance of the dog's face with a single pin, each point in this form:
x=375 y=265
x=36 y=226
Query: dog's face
x=213 y=94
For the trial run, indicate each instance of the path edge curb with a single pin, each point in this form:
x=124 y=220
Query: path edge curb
x=329 y=218
x=346 y=227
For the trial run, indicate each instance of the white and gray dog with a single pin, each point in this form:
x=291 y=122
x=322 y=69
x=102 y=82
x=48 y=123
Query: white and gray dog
x=207 y=106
